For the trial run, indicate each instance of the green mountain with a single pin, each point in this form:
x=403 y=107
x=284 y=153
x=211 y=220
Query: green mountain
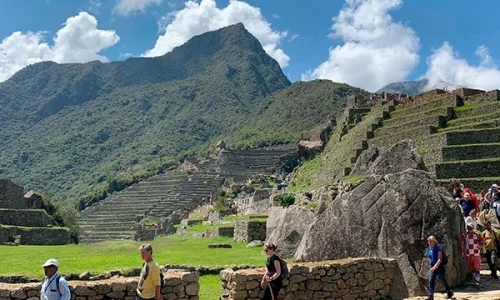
x=297 y=112
x=67 y=128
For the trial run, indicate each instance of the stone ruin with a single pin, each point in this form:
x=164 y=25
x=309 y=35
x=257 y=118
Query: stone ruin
x=23 y=221
x=389 y=213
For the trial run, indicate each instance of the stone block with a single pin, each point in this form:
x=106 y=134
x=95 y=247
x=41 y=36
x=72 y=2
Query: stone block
x=18 y=294
x=193 y=289
x=116 y=295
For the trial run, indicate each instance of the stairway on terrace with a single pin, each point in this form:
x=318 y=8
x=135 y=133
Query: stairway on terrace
x=243 y=164
x=457 y=133
x=159 y=196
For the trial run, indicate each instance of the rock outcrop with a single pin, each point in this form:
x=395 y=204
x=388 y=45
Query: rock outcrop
x=286 y=228
x=389 y=213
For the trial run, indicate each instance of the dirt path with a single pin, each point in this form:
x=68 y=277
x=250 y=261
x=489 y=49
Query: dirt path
x=490 y=289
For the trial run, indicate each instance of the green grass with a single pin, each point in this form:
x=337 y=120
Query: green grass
x=250 y=216
x=465 y=107
x=111 y=255
x=203 y=228
x=210 y=287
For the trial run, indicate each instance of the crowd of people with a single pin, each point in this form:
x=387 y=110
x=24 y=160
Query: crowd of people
x=481 y=214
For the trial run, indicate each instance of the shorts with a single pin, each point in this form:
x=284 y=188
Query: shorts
x=474 y=263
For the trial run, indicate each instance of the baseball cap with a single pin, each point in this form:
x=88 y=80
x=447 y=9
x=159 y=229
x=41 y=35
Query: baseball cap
x=51 y=262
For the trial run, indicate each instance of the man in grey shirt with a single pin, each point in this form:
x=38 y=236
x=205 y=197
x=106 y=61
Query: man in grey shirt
x=54 y=286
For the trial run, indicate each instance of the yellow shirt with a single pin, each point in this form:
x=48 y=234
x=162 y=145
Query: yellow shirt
x=150 y=278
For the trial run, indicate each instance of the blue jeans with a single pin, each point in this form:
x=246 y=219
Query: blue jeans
x=441 y=274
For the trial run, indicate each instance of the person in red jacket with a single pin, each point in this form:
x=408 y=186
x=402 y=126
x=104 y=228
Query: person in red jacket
x=473 y=197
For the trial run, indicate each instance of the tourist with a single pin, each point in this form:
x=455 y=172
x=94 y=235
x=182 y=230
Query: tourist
x=467 y=205
x=491 y=240
x=438 y=268
x=471 y=219
x=272 y=276
x=471 y=242
x=54 y=286
x=149 y=284
x=473 y=197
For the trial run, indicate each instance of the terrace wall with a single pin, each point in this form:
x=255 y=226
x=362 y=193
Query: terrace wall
x=178 y=285
x=360 y=278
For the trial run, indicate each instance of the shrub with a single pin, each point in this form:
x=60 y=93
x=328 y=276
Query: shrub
x=286 y=199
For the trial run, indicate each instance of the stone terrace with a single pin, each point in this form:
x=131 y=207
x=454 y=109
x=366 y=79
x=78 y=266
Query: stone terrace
x=457 y=133
x=167 y=196
x=158 y=197
x=242 y=164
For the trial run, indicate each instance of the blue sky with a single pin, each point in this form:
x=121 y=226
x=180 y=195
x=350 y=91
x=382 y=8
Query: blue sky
x=378 y=41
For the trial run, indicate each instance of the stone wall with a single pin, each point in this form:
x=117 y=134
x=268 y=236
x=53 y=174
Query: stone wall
x=220 y=232
x=247 y=230
x=25 y=217
x=360 y=278
x=11 y=195
x=178 y=285
x=36 y=236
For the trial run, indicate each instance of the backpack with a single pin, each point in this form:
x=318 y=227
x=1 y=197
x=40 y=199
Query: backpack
x=284 y=269
x=58 y=279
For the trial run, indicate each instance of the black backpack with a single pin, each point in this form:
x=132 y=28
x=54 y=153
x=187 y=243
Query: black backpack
x=284 y=269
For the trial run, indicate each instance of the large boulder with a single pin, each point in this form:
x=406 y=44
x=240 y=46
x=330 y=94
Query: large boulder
x=390 y=213
x=286 y=227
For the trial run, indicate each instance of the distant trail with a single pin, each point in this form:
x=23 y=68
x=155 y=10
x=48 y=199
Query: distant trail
x=490 y=289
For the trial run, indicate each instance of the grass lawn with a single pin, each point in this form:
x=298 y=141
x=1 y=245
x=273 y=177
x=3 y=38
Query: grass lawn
x=210 y=287
x=111 y=255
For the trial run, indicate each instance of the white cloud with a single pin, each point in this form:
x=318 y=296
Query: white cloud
x=276 y=16
x=78 y=40
x=445 y=65
x=293 y=37
x=197 y=18
x=126 y=7
x=376 y=50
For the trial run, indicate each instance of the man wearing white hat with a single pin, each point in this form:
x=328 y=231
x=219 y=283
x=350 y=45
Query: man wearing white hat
x=54 y=286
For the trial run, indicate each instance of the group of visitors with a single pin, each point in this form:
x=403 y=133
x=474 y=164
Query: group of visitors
x=479 y=239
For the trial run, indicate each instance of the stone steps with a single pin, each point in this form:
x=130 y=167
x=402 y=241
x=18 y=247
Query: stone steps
x=476 y=109
x=468 y=152
x=495 y=123
x=388 y=140
x=468 y=169
x=403 y=114
x=438 y=102
x=474 y=119
x=403 y=124
x=475 y=184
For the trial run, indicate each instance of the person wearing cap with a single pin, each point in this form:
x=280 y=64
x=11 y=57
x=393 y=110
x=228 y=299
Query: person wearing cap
x=470 y=244
x=54 y=286
x=438 y=269
x=149 y=284
x=467 y=205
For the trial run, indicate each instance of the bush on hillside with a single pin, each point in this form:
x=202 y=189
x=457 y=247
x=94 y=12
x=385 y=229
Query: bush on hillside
x=67 y=216
x=286 y=199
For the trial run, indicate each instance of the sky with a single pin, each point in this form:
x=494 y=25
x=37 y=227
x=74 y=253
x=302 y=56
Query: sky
x=365 y=43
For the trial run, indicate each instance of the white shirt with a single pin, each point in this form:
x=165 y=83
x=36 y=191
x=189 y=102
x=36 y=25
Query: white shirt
x=49 y=289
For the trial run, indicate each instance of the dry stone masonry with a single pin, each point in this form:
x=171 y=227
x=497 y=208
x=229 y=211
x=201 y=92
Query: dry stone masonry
x=360 y=278
x=247 y=230
x=22 y=221
x=179 y=284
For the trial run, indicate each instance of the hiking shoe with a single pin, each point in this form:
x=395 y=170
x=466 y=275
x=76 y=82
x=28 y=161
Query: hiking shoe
x=449 y=295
